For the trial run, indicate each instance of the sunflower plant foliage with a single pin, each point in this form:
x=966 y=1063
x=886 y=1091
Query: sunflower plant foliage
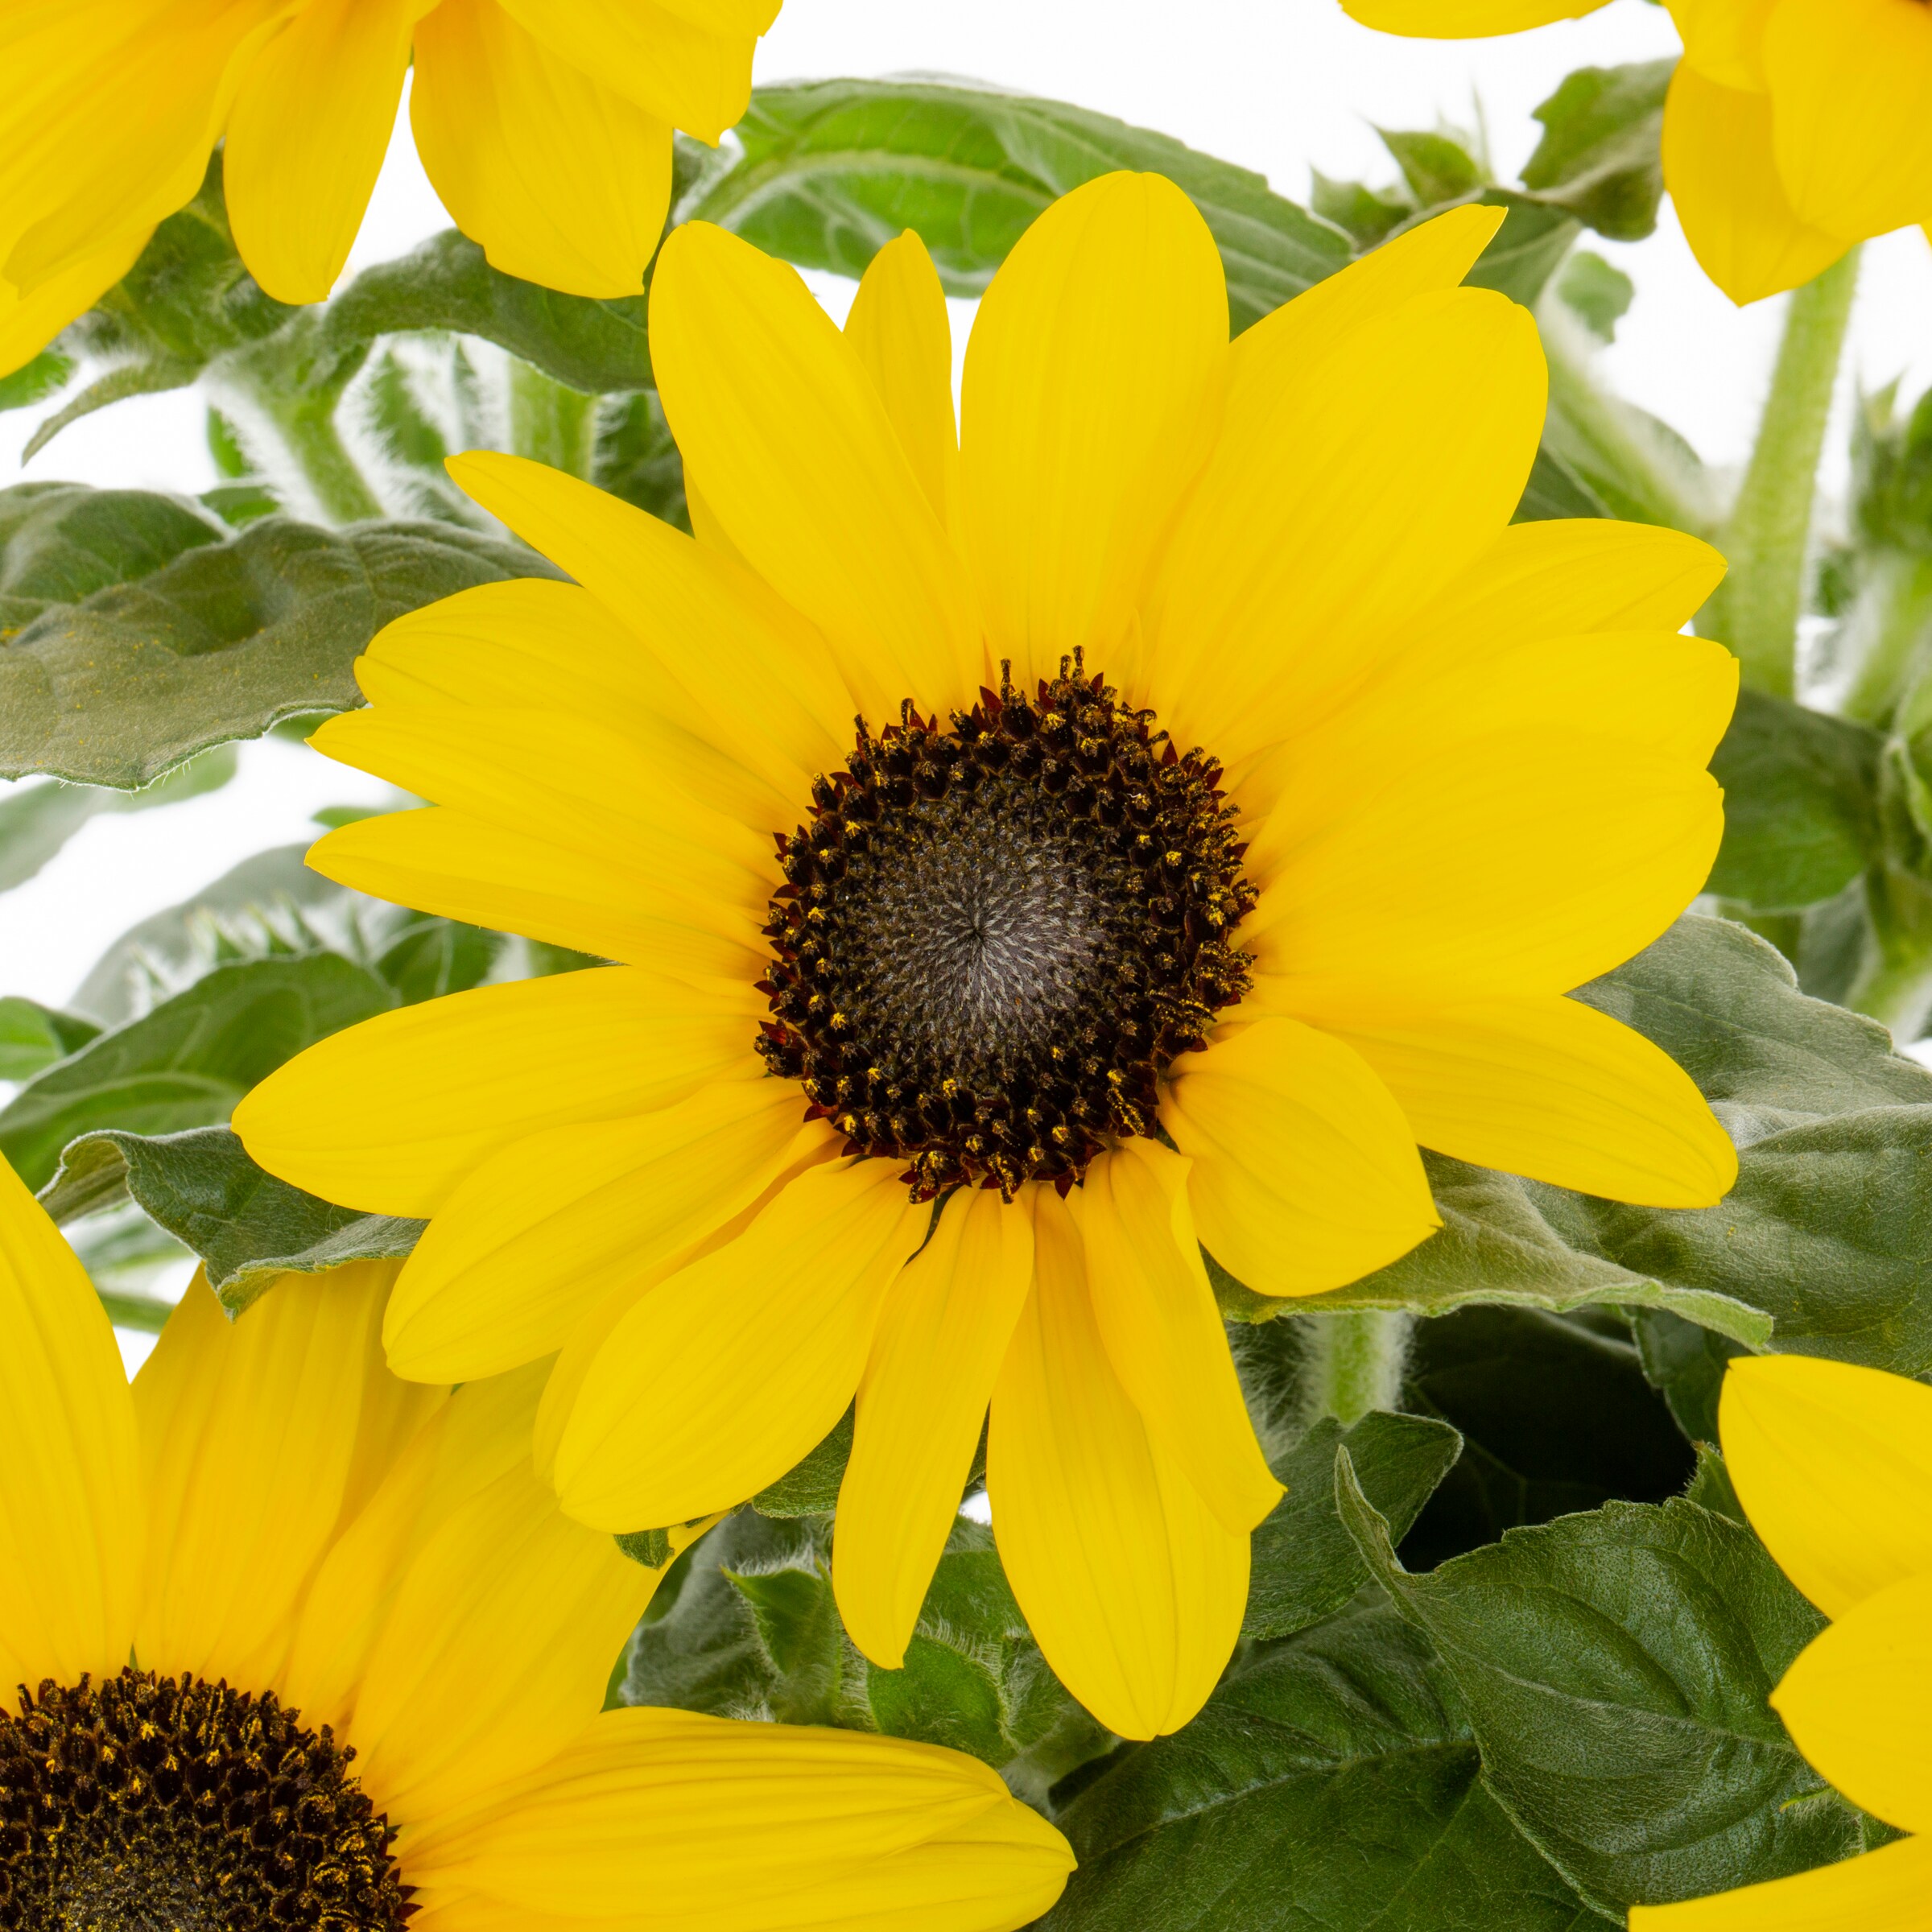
x=1255 y=954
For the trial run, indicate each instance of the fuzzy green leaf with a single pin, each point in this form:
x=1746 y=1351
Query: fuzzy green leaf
x=141 y=632
x=1599 y=157
x=246 y=1226
x=1800 y=803
x=1304 y=1566
x=1332 y=1782
x=33 y=1037
x=1615 y=1667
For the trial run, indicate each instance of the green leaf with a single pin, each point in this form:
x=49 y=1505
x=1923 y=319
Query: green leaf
x=447 y=284
x=1555 y=1415
x=1304 y=1566
x=1367 y=217
x=635 y=458
x=33 y=1036
x=1827 y=1236
x=246 y=1226
x=1330 y=1782
x=1615 y=1667
x=1598 y=296
x=37 y=820
x=754 y=1632
x=147 y=633
x=1800 y=803
x=186 y=1063
x=812 y=1488
x=1528 y=249
x=1554 y=489
x=47 y=375
x=1599 y=157
x=831 y=172
x=1685 y=1364
x=1437 y=167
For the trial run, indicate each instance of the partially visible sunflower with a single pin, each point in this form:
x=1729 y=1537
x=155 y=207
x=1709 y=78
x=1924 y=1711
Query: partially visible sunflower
x=1233 y=797
x=1833 y=1465
x=301 y=1644
x=545 y=126
x=1793 y=129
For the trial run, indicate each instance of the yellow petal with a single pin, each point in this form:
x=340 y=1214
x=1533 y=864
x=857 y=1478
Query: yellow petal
x=248 y=1438
x=920 y=1403
x=466 y=868
x=497 y=1652
x=390 y=1115
x=542 y=1231
x=306 y=139
x=765 y=674
x=1555 y=579
x=1724 y=39
x=532 y=642
x=1464 y=19
x=1719 y=167
x=571 y=782
x=1287 y=582
x=469 y=1441
x=1305 y=1174
x=1858 y=1699
x=1833 y=1465
x=1132 y=1586
x=111 y=111
x=687 y=65
x=800 y=463
x=900 y=329
x=1162 y=1331
x=1552 y=1089
x=1884 y=1888
x=71 y=1533
x=1092 y=390
x=662 y=1432
x=817 y=1828
x=1521 y=863
x=28 y=322
x=1851 y=85
x=562 y=182
x=1669 y=697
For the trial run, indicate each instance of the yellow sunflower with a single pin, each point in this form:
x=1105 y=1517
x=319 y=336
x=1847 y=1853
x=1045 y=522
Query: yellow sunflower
x=1233 y=794
x=302 y=1645
x=1794 y=128
x=1833 y=1465
x=545 y=126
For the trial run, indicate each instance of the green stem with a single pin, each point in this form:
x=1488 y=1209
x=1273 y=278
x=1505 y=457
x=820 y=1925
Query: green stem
x=1353 y=1362
x=1757 y=611
x=550 y=422
x=316 y=444
x=1886 y=634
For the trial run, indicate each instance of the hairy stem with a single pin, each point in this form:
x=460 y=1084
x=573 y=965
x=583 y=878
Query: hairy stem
x=1353 y=1362
x=1757 y=611
x=312 y=438
x=550 y=422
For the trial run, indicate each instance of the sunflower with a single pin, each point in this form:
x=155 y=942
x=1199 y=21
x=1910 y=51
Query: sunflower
x=1833 y=1465
x=545 y=126
x=1133 y=823
x=1793 y=129
x=302 y=1645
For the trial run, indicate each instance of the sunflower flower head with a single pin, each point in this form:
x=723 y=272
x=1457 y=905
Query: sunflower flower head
x=1833 y=1465
x=545 y=126
x=1793 y=129
x=300 y=1644
x=1132 y=822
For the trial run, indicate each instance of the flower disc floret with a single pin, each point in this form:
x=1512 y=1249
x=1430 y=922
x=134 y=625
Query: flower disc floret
x=995 y=935
x=149 y=1801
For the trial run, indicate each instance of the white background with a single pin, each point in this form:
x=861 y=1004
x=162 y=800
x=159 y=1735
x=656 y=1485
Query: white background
x=1277 y=86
